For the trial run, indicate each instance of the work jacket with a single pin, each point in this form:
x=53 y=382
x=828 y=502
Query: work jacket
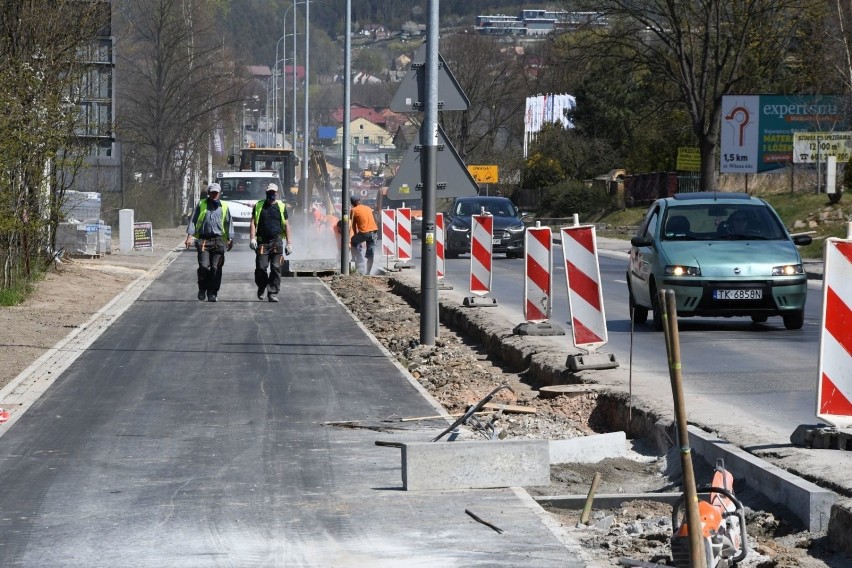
x=202 y=213
x=258 y=207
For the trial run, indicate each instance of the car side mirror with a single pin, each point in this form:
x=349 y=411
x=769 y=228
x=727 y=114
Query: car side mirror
x=802 y=240
x=642 y=241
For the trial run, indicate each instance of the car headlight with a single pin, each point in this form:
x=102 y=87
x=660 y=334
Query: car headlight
x=455 y=227
x=788 y=270
x=678 y=270
x=516 y=229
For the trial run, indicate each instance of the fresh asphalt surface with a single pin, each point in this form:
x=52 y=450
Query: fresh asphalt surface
x=194 y=434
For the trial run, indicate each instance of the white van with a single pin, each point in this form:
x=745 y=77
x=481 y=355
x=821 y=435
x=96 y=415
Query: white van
x=241 y=190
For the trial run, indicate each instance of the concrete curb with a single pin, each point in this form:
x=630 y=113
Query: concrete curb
x=808 y=503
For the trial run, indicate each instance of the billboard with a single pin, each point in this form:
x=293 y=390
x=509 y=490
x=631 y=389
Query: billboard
x=757 y=130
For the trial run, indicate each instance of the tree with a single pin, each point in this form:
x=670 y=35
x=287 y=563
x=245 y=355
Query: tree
x=490 y=77
x=177 y=84
x=41 y=72
x=703 y=50
x=370 y=60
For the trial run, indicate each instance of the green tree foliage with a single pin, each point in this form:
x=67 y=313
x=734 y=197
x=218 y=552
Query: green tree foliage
x=570 y=197
x=541 y=171
x=369 y=60
x=41 y=67
x=700 y=50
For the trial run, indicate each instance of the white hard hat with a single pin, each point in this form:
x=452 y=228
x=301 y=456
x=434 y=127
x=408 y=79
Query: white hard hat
x=214 y=187
x=271 y=187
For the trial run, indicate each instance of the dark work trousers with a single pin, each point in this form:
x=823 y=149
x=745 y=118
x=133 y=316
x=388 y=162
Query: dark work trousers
x=267 y=265
x=211 y=257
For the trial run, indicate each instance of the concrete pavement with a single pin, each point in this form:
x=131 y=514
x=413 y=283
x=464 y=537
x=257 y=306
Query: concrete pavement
x=240 y=433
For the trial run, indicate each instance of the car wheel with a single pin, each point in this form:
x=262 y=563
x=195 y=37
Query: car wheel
x=511 y=255
x=638 y=313
x=759 y=319
x=795 y=320
x=451 y=254
x=657 y=322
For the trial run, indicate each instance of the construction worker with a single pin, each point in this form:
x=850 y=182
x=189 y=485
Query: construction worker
x=365 y=232
x=267 y=231
x=210 y=228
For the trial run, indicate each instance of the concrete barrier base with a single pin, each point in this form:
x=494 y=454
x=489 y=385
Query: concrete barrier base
x=435 y=466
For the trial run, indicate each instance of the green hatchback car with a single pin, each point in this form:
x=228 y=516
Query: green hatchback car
x=723 y=254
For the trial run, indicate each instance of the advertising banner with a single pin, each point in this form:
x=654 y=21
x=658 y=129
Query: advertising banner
x=811 y=147
x=757 y=130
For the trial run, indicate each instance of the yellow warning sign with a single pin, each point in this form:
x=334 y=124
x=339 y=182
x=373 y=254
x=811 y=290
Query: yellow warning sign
x=484 y=174
x=688 y=159
x=404 y=188
x=430 y=238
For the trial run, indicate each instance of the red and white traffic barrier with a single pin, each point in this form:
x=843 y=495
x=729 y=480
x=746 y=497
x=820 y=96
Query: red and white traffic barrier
x=538 y=283
x=585 y=296
x=389 y=232
x=403 y=234
x=481 y=242
x=834 y=389
x=538 y=270
x=440 y=263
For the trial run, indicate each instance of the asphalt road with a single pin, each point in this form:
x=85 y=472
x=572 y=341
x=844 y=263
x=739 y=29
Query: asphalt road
x=241 y=433
x=757 y=381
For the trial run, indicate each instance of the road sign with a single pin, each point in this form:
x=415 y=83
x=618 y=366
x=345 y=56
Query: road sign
x=484 y=174
x=454 y=180
x=411 y=95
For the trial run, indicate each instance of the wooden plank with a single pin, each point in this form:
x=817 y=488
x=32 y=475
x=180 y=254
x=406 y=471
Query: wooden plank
x=510 y=408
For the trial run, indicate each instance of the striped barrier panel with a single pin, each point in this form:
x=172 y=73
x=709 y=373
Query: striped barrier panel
x=481 y=243
x=585 y=297
x=389 y=232
x=440 y=263
x=834 y=389
x=403 y=234
x=538 y=270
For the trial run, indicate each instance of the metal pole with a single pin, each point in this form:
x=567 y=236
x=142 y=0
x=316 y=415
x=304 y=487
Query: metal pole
x=344 y=196
x=295 y=65
x=306 y=138
x=429 y=175
x=819 y=164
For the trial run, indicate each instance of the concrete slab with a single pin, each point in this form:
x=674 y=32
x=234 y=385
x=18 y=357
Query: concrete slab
x=588 y=449
x=435 y=466
x=808 y=502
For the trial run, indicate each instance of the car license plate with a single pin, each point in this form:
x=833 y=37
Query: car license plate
x=744 y=294
x=496 y=241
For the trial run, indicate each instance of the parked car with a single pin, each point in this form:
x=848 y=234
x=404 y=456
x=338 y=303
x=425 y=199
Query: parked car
x=509 y=227
x=723 y=254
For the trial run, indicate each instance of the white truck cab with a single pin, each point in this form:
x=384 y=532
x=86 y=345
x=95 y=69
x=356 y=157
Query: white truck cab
x=241 y=190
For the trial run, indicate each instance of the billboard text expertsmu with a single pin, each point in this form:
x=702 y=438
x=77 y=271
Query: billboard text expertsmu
x=757 y=130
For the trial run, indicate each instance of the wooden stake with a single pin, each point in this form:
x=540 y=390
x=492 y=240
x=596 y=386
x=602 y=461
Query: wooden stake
x=587 y=508
x=668 y=304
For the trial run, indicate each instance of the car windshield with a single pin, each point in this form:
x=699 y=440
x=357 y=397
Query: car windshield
x=721 y=221
x=249 y=189
x=498 y=208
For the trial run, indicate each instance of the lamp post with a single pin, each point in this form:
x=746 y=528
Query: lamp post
x=284 y=77
x=307 y=129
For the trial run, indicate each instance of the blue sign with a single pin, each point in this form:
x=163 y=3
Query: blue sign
x=327 y=132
